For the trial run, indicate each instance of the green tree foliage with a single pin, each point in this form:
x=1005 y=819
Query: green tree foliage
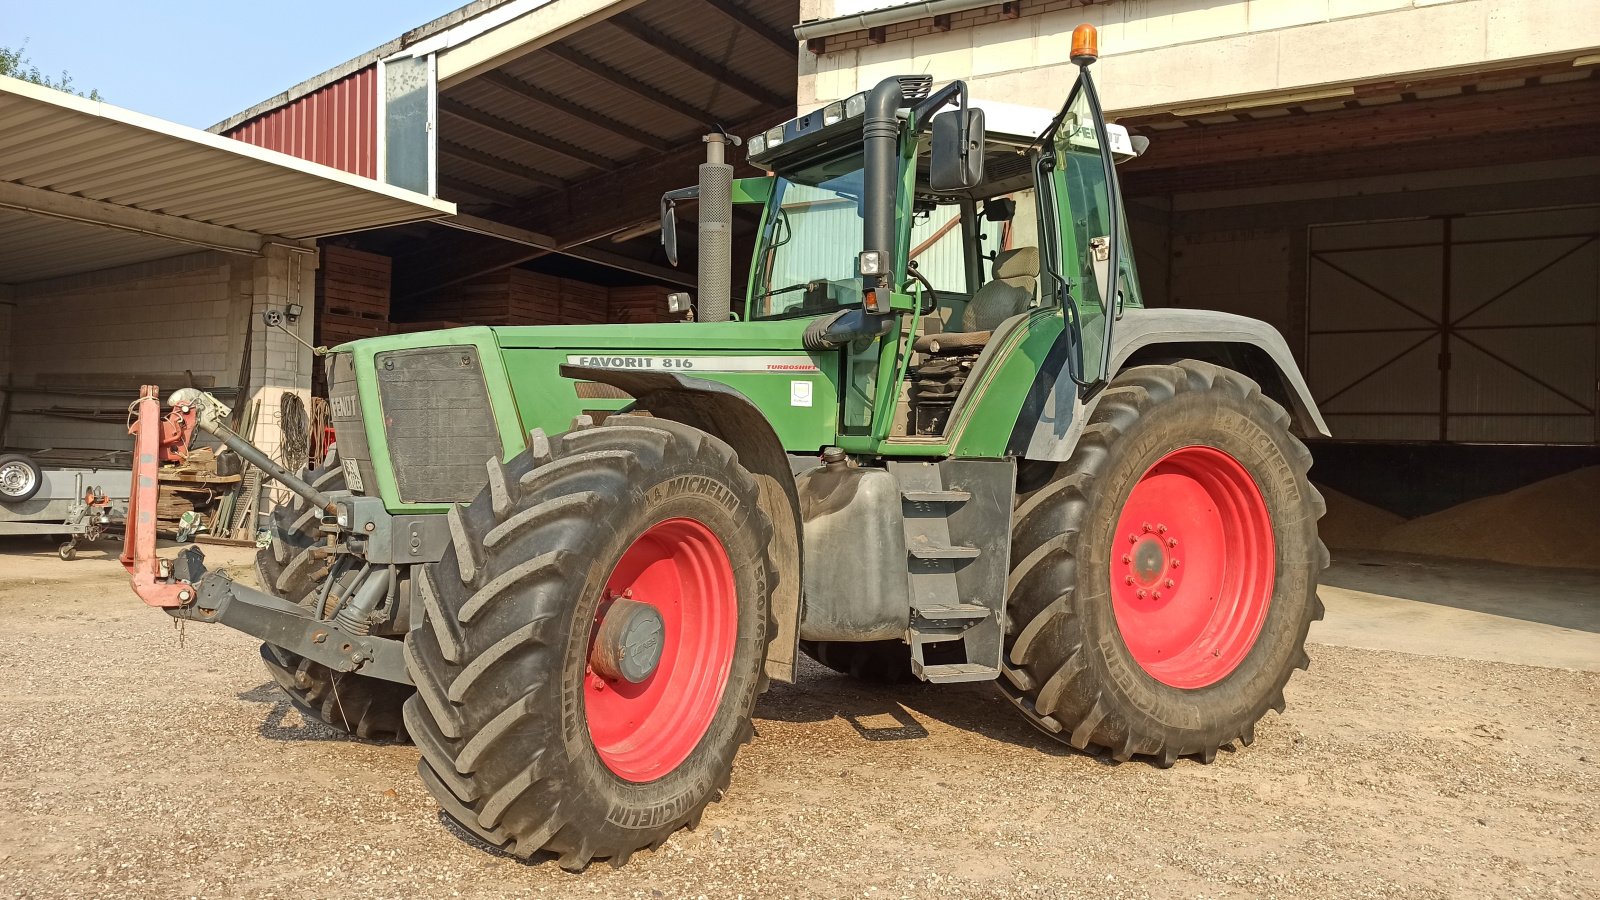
x=14 y=62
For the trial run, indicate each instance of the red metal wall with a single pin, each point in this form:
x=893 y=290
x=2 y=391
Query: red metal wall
x=335 y=125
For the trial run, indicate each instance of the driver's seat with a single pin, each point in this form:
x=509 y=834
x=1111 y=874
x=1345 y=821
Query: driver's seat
x=1016 y=272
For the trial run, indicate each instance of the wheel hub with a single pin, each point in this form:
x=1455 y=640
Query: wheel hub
x=15 y=478
x=1152 y=567
x=657 y=666
x=629 y=642
x=1192 y=567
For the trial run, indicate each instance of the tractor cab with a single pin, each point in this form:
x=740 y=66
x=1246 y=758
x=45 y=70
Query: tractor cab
x=929 y=234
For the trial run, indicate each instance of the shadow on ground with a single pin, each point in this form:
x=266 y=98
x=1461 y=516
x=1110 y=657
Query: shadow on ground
x=1565 y=598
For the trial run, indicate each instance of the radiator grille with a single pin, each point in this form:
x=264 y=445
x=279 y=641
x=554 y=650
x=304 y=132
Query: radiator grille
x=437 y=419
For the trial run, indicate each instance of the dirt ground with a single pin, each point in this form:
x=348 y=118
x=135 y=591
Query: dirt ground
x=145 y=762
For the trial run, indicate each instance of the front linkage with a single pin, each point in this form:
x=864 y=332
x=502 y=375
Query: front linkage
x=186 y=590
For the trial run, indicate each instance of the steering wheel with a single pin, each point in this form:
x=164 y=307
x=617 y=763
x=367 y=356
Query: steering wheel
x=932 y=302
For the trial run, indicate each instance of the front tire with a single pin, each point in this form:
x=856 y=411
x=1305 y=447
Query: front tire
x=359 y=705
x=530 y=737
x=1164 y=577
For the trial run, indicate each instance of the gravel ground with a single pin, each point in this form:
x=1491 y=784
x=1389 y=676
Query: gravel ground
x=144 y=762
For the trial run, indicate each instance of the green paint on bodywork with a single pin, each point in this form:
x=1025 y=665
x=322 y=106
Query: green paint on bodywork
x=501 y=401
x=521 y=368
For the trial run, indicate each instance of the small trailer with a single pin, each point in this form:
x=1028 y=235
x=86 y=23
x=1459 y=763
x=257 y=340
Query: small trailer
x=78 y=500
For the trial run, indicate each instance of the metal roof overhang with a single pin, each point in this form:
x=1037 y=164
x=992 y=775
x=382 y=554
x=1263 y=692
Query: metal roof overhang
x=86 y=186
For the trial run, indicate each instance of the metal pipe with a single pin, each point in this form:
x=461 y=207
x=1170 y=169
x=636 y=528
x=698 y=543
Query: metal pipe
x=880 y=140
x=716 y=231
x=261 y=461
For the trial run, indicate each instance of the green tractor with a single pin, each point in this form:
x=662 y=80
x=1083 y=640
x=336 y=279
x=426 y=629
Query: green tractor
x=565 y=561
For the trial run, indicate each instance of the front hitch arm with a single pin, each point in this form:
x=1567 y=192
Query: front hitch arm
x=158 y=439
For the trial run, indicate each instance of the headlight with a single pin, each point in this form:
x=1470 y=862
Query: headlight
x=871 y=262
x=774 y=136
x=756 y=145
x=855 y=106
x=832 y=113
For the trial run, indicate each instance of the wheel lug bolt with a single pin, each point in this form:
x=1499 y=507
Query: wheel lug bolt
x=1147 y=527
x=1171 y=583
x=1161 y=529
x=1133 y=539
x=1176 y=563
x=1158 y=595
x=1127 y=579
x=1126 y=559
x=1143 y=594
x=1172 y=542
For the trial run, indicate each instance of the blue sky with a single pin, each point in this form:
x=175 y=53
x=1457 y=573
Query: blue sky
x=199 y=62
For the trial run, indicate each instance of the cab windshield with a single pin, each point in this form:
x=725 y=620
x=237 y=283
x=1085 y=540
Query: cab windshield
x=812 y=236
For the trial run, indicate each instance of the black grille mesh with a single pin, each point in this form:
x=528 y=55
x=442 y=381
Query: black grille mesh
x=437 y=419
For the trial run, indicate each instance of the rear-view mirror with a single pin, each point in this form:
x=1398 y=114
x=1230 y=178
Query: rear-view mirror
x=955 y=160
x=669 y=230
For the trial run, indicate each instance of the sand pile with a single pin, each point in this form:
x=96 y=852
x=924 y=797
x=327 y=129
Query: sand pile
x=1351 y=524
x=1554 y=522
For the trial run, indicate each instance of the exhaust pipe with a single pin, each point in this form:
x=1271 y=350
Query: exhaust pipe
x=716 y=230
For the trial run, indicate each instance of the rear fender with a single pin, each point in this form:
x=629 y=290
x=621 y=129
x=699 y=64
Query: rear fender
x=727 y=414
x=1146 y=336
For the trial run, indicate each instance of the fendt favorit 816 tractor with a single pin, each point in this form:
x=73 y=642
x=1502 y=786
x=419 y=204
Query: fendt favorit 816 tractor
x=564 y=561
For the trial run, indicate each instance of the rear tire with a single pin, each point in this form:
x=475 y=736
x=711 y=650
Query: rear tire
x=523 y=742
x=872 y=662
x=358 y=705
x=1089 y=658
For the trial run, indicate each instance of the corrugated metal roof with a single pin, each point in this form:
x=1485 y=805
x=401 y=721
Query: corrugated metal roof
x=65 y=144
x=597 y=125
x=68 y=163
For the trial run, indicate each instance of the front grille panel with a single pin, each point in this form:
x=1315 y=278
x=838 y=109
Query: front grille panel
x=437 y=419
x=349 y=428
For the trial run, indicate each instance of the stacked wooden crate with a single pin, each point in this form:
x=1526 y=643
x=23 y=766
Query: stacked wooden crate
x=519 y=297
x=352 y=295
x=646 y=303
x=582 y=303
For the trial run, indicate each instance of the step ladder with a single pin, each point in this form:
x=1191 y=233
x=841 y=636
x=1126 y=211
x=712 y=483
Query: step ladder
x=952 y=545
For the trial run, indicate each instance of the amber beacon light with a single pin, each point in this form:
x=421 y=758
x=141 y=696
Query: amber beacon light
x=1085 y=45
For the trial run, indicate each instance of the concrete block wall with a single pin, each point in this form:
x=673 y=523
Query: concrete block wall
x=114 y=329
x=159 y=323
x=1166 y=54
x=7 y=304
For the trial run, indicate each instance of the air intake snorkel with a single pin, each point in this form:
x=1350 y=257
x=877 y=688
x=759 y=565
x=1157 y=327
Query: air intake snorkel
x=880 y=144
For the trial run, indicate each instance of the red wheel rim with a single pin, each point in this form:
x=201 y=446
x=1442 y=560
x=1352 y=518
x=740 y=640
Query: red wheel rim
x=1192 y=567
x=643 y=731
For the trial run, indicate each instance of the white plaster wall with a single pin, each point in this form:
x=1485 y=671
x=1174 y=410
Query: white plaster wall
x=1166 y=54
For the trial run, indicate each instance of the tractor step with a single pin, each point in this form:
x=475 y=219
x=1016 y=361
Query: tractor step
x=954 y=672
x=917 y=496
x=961 y=612
x=925 y=549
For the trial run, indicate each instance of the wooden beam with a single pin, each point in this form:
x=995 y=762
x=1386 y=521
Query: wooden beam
x=503 y=166
x=631 y=85
x=526 y=135
x=670 y=48
x=526 y=91
x=463 y=186
x=782 y=40
x=1356 y=162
